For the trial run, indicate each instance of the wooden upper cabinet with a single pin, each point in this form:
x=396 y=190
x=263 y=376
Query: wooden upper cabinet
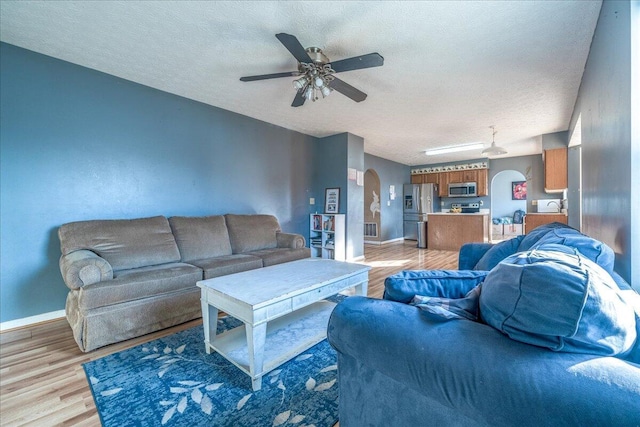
x=470 y=175
x=482 y=178
x=443 y=184
x=432 y=178
x=456 y=176
x=443 y=179
x=555 y=170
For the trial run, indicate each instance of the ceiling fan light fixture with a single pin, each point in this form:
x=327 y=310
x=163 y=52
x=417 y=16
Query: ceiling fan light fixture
x=300 y=83
x=454 y=149
x=308 y=93
x=317 y=72
x=493 y=150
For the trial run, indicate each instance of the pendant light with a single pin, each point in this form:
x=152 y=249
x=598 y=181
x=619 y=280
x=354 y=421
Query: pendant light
x=493 y=150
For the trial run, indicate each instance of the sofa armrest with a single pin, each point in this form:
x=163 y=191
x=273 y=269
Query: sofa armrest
x=474 y=369
x=470 y=254
x=290 y=240
x=403 y=286
x=84 y=267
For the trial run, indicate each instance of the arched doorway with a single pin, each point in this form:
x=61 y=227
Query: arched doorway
x=372 y=221
x=504 y=203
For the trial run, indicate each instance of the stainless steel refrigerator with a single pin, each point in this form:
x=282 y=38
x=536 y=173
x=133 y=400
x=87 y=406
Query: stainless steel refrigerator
x=419 y=200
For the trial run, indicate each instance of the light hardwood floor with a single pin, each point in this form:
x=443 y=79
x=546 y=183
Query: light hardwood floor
x=41 y=377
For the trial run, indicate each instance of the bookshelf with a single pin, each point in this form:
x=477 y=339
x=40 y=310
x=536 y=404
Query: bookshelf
x=327 y=236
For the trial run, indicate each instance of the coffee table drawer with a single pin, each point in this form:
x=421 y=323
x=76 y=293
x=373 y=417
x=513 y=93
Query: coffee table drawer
x=322 y=292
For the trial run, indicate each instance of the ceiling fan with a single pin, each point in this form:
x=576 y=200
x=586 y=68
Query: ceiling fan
x=318 y=71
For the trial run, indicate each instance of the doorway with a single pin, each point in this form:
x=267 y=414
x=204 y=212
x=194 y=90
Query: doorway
x=372 y=207
x=507 y=196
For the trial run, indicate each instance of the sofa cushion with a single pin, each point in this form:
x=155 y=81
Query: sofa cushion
x=139 y=283
x=403 y=286
x=280 y=255
x=537 y=233
x=591 y=248
x=124 y=243
x=228 y=264
x=252 y=232
x=497 y=253
x=201 y=237
x=555 y=297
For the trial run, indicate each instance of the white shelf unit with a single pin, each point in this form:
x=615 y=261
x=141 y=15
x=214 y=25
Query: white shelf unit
x=327 y=236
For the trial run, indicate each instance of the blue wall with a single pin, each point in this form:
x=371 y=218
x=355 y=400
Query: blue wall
x=609 y=155
x=390 y=173
x=78 y=144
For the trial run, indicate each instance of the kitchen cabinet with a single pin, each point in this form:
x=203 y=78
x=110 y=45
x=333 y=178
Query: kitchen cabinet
x=555 y=170
x=469 y=176
x=432 y=178
x=417 y=178
x=533 y=220
x=455 y=176
x=443 y=179
x=482 y=178
x=443 y=184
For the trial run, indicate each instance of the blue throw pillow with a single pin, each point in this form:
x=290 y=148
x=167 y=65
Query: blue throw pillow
x=556 y=298
x=403 y=286
x=497 y=253
x=532 y=237
x=591 y=248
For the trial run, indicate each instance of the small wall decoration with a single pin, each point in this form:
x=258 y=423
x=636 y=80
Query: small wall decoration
x=519 y=190
x=331 y=200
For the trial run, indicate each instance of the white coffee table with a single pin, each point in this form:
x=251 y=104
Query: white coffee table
x=282 y=309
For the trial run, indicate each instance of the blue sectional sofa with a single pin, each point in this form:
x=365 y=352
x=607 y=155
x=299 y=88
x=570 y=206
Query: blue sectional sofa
x=556 y=340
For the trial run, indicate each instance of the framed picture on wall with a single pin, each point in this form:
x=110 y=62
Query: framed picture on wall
x=519 y=190
x=331 y=200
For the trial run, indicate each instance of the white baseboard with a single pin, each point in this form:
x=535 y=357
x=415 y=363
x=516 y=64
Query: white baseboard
x=356 y=259
x=399 y=239
x=26 y=321
x=376 y=242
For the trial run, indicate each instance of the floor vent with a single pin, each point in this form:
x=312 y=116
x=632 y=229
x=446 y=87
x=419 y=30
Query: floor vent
x=370 y=229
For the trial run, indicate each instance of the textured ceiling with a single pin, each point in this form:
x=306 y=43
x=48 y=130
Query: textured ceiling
x=452 y=68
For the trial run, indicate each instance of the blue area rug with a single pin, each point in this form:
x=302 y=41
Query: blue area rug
x=172 y=381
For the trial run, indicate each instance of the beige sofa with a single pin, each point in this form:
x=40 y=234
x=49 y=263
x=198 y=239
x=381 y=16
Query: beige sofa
x=131 y=277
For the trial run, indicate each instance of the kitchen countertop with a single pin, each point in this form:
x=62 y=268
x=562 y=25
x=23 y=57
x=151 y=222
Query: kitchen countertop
x=547 y=213
x=451 y=213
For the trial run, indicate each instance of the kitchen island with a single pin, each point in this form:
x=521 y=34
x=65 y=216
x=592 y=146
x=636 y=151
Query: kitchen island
x=449 y=231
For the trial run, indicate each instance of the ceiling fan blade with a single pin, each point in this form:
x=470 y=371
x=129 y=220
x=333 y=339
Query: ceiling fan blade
x=358 y=62
x=293 y=45
x=298 y=101
x=347 y=90
x=269 y=76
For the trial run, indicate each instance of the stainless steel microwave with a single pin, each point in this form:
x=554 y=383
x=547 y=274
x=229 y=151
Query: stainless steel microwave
x=463 y=189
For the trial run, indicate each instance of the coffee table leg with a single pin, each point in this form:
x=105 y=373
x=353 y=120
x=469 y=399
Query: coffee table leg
x=361 y=289
x=209 y=324
x=256 y=336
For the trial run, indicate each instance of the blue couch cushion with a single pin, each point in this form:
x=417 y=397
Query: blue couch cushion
x=532 y=237
x=497 y=253
x=403 y=286
x=593 y=249
x=555 y=297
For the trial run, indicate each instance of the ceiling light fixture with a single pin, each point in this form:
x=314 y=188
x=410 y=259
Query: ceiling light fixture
x=493 y=150
x=315 y=80
x=454 y=149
